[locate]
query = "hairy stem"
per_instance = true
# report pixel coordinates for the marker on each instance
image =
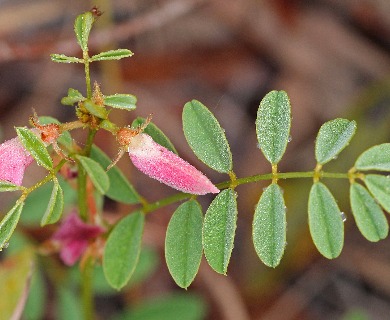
(86, 290)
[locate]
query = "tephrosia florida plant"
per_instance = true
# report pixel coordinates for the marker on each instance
(83, 234)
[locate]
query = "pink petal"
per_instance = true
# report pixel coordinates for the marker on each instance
(163, 165)
(13, 161)
(74, 236)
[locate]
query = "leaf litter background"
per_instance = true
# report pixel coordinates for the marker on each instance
(332, 57)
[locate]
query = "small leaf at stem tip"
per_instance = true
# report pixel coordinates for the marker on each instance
(120, 188)
(55, 206)
(183, 243)
(379, 187)
(269, 226)
(369, 216)
(73, 97)
(96, 173)
(96, 110)
(121, 101)
(35, 147)
(206, 137)
(112, 55)
(61, 58)
(219, 229)
(122, 249)
(273, 125)
(332, 138)
(375, 158)
(156, 133)
(325, 221)
(82, 28)
(9, 222)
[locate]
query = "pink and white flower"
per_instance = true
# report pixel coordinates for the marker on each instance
(14, 159)
(165, 166)
(74, 236)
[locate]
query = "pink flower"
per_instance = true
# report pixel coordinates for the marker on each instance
(165, 166)
(14, 160)
(74, 236)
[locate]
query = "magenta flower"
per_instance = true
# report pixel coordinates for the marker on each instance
(165, 166)
(74, 236)
(14, 159)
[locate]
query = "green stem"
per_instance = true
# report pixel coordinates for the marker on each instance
(149, 207)
(87, 74)
(87, 294)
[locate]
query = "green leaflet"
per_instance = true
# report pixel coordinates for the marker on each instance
(369, 216)
(74, 96)
(379, 186)
(95, 109)
(219, 229)
(96, 173)
(9, 222)
(61, 58)
(269, 226)
(375, 158)
(325, 221)
(55, 206)
(206, 137)
(183, 243)
(121, 101)
(273, 125)
(8, 186)
(120, 188)
(155, 132)
(35, 147)
(112, 55)
(123, 249)
(82, 28)
(332, 138)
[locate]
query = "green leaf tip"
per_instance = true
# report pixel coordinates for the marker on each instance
(205, 137)
(183, 243)
(112, 55)
(325, 221)
(332, 138)
(269, 226)
(9, 222)
(82, 29)
(55, 206)
(273, 124)
(61, 58)
(96, 173)
(219, 229)
(121, 101)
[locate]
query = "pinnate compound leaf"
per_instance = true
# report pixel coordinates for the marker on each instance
(55, 206)
(269, 226)
(379, 186)
(35, 147)
(369, 216)
(219, 229)
(61, 58)
(183, 243)
(157, 135)
(121, 101)
(332, 138)
(82, 28)
(96, 173)
(8, 186)
(375, 158)
(73, 97)
(122, 250)
(112, 55)
(273, 125)
(9, 222)
(325, 221)
(206, 137)
(120, 188)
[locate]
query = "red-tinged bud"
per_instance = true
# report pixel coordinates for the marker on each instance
(14, 159)
(165, 166)
(74, 236)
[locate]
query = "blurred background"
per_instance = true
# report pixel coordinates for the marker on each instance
(333, 59)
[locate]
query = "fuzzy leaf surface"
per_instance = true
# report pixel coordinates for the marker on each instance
(96, 173)
(375, 158)
(82, 28)
(121, 101)
(379, 186)
(55, 206)
(206, 137)
(9, 222)
(112, 55)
